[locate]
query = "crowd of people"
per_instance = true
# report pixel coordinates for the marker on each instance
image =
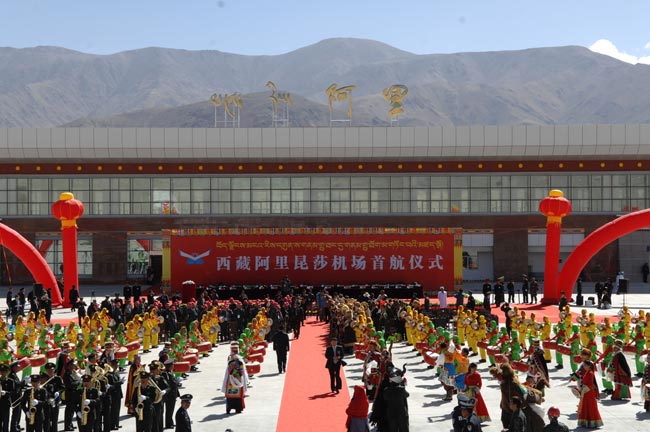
(526, 344)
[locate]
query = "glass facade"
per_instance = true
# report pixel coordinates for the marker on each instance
(324, 194)
(51, 248)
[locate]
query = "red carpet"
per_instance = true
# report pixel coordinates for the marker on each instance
(307, 403)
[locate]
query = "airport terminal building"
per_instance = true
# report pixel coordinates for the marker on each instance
(487, 180)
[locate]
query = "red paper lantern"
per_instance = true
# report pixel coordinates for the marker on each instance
(67, 209)
(555, 206)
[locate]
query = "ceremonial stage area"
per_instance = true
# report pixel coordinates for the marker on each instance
(300, 399)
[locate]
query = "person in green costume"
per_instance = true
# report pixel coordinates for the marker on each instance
(120, 337)
(559, 338)
(25, 350)
(493, 337)
(606, 358)
(515, 346)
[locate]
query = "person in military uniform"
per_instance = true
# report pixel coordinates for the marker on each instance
(155, 369)
(72, 384)
(172, 393)
(183, 422)
(16, 394)
(54, 386)
(86, 405)
(115, 383)
(34, 403)
(144, 396)
(8, 387)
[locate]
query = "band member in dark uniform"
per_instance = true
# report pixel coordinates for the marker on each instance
(86, 405)
(34, 403)
(115, 383)
(54, 386)
(183, 423)
(8, 387)
(16, 394)
(172, 393)
(158, 381)
(72, 382)
(144, 397)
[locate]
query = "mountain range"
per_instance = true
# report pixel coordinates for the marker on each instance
(159, 87)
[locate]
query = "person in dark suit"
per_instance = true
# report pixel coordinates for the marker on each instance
(183, 423)
(334, 356)
(281, 348)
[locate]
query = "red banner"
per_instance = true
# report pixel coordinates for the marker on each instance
(314, 257)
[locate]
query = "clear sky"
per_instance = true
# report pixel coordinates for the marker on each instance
(273, 27)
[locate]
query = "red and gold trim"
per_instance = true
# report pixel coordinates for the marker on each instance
(523, 166)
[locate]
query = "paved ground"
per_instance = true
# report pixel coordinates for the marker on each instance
(427, 409)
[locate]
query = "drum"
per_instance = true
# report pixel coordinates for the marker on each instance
(550, 345)
(430, 358)
(204, 347)
(265, 344)
(53, 353)
(375, 377)
(576, 391)
(182, 367)
(482, 344)
(133, 346)
(253, 368)
(360, 355)
(493, 351)
(630, 349)
(255, 358)
(37, 360)
(563, 349)
(121, 353)
(258, 350)
(192, 359)
(520, 366)
(420, 346)
(359, 347)
(500, 358)
(192, 351)
(23, 363)
(577, 359)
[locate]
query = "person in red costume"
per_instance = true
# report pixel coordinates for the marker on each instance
(588, 413)
(358, 411)
(473, 384)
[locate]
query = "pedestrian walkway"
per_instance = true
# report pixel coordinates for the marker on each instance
(307, 402)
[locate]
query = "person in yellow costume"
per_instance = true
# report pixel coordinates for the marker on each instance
(155, 329)
(132, 328)
(523, 329)
(3, 329)
(461, 315)
(71, 332)
(147, 325)
(104, 320)
(95, 324)
(546, 335)
(86, 327)
(533, 328)
(471, 334)
(206, 324)
(42, 318)
(30, 329)
(481, 335)
(568, 317)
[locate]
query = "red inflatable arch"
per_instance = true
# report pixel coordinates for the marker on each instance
(595, 242)
(29, 255)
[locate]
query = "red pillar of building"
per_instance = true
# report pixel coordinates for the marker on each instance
(554, 207)
(68, 209)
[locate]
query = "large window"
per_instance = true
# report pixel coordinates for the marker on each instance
(164, 196)
(51, 247)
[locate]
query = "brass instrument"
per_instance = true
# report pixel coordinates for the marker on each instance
(140, 407)
(159, 393)
(84, 408)
(32, 408)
